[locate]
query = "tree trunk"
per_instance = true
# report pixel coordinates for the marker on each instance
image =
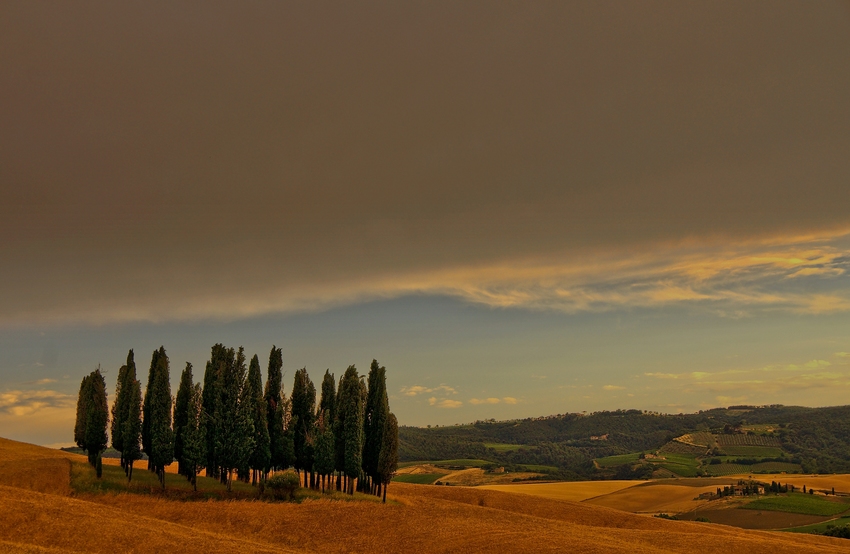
(229, 479)
(130, 472)
(385, 492)
(195, 482)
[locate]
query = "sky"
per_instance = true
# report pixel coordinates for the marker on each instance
(520, 209)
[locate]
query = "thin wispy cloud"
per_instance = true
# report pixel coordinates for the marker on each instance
(418, 389)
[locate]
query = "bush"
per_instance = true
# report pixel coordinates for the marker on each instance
(283, 485)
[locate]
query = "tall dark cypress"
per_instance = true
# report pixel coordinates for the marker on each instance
(274, 408)
(146, 406)
(375, 417)
(132, 439)
(121, 405)
(303, 419)
(194, 439)
(218, 357)
(234, 429)
(181, 416)
(261, 455)
(82, 411)
(350, 418)
(96, 418)
(119, 411)
(328, 400)
(388, 460)
(159, 414)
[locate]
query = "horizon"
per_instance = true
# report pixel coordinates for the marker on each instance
(517, 209)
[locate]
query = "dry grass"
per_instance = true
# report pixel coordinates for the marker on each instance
(654, 498)
(575, 491)
(423, 518)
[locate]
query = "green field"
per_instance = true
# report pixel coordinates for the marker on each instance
(777, 467)
(620, 459)
(418, 478)
(465, 462)
(799, 503)
(682, 465)
(501, 447)
(820, 527)
(754, 451)
(535, 467)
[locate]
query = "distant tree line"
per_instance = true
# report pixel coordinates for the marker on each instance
(235, 428)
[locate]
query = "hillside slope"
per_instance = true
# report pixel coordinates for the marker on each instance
(426, 519)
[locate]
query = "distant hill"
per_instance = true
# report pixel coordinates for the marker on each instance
(636, 444)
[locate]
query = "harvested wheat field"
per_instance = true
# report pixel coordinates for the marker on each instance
(419, 518)
(575, 490)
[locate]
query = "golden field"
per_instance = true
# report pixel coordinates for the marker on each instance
(42, 518)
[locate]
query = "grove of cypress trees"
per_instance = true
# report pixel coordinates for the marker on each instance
(132, 432)
(159, 418)
(260, 458)
(375, 417)
(181, 416)
(388, 459)
(194, 436)
(303, 422)
(234, 429)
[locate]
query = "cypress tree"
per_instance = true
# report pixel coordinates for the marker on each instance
(161, 435)
(388, 459)
(328, 401)
(181, 416)
(375, 418)
(132, 433)
(92, 416)
(303, 420)
(146, 406)
(274, 399)
(194, 436)
(234, 428)
(325, 460)
(261, 455)
(82, 411)
(351, 421)
(218, 357)
(119, 411)
(121, 407)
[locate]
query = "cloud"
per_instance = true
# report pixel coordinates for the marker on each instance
(493, 400)
(45, 381)
(444, 403)
(24, 403)
(418, 389)
(612, 387)
(842, 354)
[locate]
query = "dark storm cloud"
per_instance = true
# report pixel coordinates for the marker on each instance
(164, 159)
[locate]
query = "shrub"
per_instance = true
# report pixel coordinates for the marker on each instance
(283, 485)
